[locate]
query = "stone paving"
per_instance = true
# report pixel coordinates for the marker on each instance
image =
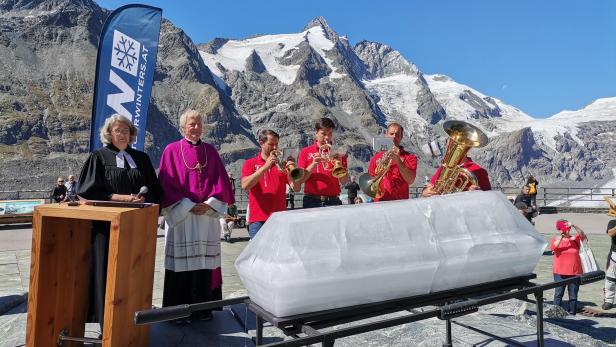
(15, 268)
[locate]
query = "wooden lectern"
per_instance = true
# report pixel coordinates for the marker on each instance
(60, 265)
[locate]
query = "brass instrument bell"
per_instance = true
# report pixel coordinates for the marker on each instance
(462, 137)
(296, 173)
(338, 171)
(371, 186)
(332, 161)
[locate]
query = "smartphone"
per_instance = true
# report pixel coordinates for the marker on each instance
(382, 143)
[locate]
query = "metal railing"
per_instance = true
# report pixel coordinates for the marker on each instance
(546, 196)
(25, 194)
(566, 196)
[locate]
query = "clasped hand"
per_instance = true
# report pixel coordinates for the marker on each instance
(128, 198)
(200, 208)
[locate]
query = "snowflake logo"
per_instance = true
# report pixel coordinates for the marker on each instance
(125, 53)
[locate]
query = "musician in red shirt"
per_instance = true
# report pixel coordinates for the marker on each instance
(402, 169)
(265, 183)
(321, 188)
(483, 181)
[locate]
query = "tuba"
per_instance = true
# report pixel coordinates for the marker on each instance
(371, 186)
(462, 137)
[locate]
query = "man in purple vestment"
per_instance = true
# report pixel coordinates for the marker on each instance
(196, 192)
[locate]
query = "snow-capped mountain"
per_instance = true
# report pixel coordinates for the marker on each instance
(400, 89)
(286, 82)
(322, 68)
(467, 104)
(283, 82)
(271, 50)
(570, 122)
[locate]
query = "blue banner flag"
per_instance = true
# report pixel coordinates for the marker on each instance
(125, 68)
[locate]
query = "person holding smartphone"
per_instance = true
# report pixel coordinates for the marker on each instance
(567, 262)
(401, 171)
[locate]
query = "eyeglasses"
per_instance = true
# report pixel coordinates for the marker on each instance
(124, 131)
(60, 181)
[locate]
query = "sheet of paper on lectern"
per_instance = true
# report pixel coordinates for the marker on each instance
(317, 259)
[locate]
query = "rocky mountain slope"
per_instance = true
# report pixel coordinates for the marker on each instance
(48, 54)
(557, 149)
(283, 82)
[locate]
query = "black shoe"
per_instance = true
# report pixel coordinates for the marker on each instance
(228, 238)
(606, 306)
(206, 316)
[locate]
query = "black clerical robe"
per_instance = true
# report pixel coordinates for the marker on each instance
(100, 178)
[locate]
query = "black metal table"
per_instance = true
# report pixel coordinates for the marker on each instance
(444, 305)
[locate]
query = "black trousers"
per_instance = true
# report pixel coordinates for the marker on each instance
(189, 287)
(313, 201)
(98, 272)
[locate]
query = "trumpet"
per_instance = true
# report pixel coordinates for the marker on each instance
(325, 152)
(332, 162)
(371, 186)
(278, 154)
(296, 173)
(288, 166)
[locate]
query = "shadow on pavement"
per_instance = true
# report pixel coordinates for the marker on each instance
(8, 302)
(15, 226)
(586, 326)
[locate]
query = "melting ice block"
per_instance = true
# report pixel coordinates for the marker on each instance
(317, 259)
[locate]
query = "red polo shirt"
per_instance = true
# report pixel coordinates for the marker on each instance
(482, 175)
(567, 256)
(393, 185)
(269, 194)
(321, 181)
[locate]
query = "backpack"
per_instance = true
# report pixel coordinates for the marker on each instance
(532, 189)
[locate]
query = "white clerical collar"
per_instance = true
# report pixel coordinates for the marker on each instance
(123, 156)
(194, 143)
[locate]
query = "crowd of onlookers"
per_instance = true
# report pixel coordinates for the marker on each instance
(65, 190)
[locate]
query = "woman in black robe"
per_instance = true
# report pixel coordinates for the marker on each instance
(115, 172)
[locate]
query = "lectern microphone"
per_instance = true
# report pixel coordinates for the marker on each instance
(143, 191)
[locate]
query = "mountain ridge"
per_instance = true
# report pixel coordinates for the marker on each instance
(282, 81)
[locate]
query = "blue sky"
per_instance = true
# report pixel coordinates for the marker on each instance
(540, 56)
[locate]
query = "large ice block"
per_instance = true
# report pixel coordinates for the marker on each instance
(317, 259)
